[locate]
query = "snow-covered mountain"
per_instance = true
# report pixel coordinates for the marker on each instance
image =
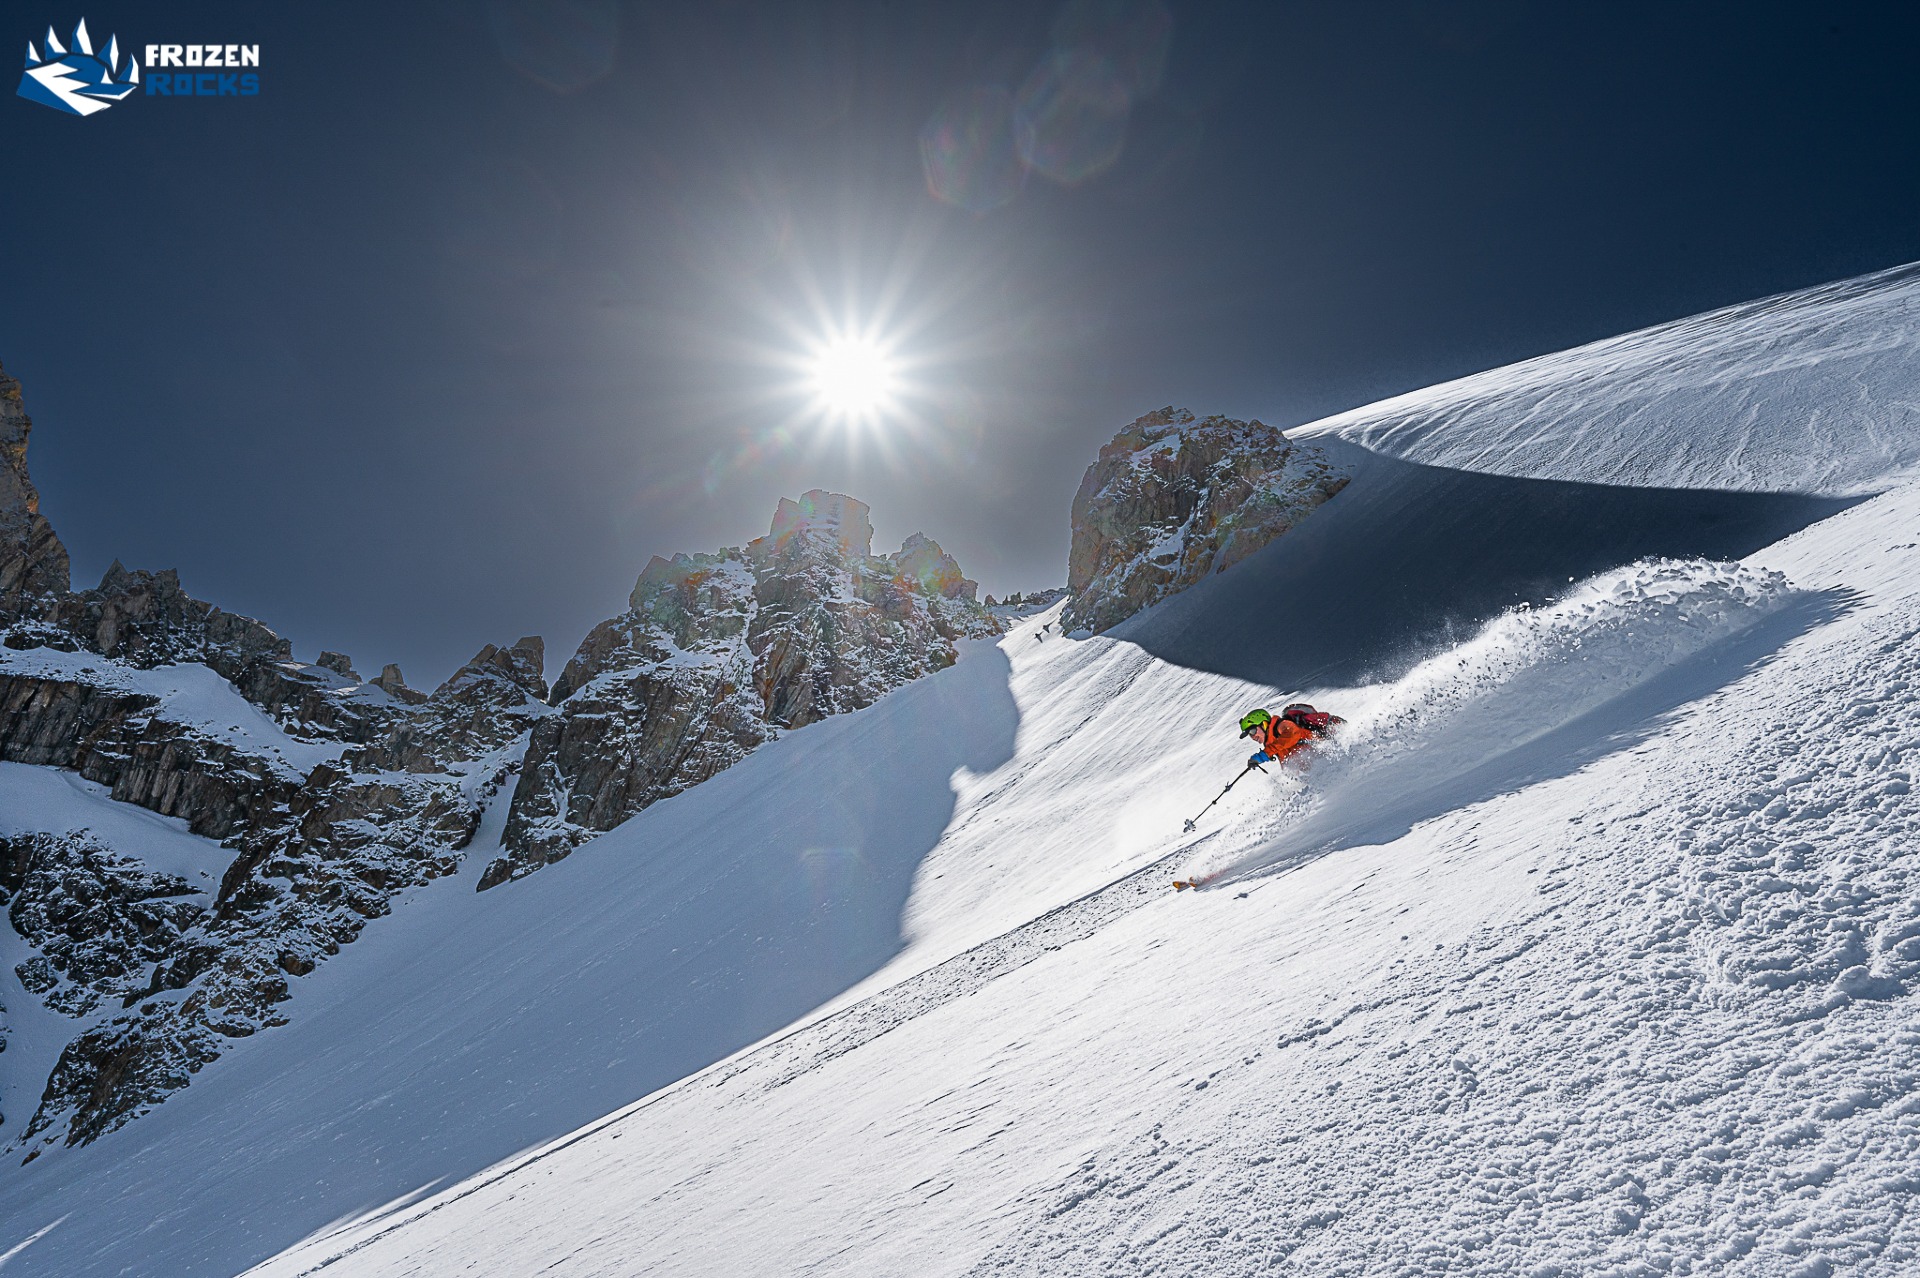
(1589, 947)
(717, 654)
(314, 798)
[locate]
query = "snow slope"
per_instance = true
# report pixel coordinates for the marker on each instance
(1649, 1015)
(36, 800)
(1803, 392)
(471, 1026)
(1637, 1000)
(1622, 989)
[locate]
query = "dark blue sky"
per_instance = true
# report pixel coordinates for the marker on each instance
(436, 340)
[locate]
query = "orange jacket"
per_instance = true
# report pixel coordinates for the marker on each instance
(1281, 737)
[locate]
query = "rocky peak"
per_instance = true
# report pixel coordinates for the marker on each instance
(394, 684)
(33, 563)
(147, 619)
(823, 518)
(720, 652)
(690, 599)
(933, 571)
(1173, 498)
(520, 669)
(142, 618)
(483, 706)
(368, 788)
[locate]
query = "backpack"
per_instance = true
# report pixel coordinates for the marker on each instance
(1318, 722)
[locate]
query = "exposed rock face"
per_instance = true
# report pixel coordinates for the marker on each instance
(33, 563)
(482, 707)
(718, 653)
(109, 733)
(314, 857)
(146, 619)
(96, 918)
(293, 896)
(394, 684)
(89, 682)
(1173, 498)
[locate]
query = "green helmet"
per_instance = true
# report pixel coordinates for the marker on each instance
(1253, 719)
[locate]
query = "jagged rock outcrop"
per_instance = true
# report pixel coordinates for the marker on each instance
(33, 563)
(315, 857)
(95, 918)
(1025, 604)
(482, 706)
(354, 793)
(146, 619)
(111, 735)
(1173, 498)
(718, 653)
(394, 684)
(292, 898)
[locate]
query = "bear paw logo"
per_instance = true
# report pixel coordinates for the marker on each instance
(79, 81)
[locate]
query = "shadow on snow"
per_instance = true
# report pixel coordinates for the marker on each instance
(1409, 558)
(480, 1025)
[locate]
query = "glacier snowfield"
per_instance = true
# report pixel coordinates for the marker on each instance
(1589, 949)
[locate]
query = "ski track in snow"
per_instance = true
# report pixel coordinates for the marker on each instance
(1648, 1018)
(1718, 971)
(1526, 673)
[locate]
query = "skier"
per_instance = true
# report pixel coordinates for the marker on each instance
(1299, 725)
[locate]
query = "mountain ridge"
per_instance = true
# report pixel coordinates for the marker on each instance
(324, 797)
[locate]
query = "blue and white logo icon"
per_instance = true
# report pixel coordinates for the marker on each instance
(77, 81)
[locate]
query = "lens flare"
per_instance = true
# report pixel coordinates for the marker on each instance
(853, 378)
(1071, 117)
(968, 153)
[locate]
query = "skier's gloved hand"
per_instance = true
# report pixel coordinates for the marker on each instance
(1258, 759)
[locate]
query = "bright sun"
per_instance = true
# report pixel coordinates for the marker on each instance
(853, 377)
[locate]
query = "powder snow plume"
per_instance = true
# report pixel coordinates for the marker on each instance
(1527, 672)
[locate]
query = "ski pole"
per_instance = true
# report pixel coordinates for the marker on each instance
(1223, 794)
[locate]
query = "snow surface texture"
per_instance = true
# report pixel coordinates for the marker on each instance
(1629, 992)
(1803, 392)
(1529, 672)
